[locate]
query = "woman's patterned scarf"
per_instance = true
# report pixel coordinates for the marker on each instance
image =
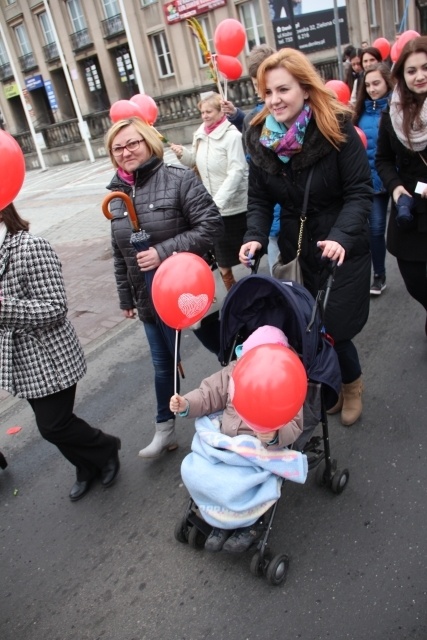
(285, 142)
(418, 138)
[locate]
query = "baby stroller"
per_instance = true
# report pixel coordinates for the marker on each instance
(259, 300)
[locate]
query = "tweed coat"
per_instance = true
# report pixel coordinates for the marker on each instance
(175, 209)
(339, 203)
(40, 353)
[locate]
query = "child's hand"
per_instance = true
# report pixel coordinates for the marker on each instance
(177, 404)
(266, 437)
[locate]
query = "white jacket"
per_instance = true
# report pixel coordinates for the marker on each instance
(222, 166)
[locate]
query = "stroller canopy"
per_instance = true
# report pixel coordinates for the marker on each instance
(257, 300)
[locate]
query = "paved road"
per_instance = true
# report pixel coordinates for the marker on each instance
(109, 568)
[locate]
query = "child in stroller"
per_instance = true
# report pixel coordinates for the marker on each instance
(216, 488)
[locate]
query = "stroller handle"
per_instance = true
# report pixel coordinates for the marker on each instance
(322, 297)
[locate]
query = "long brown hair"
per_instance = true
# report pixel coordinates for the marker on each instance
(411, 103)
(362, 93)
(13, 221)
(327, 111)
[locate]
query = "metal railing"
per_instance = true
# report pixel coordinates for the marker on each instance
(173, 108)
(5, 72)
(113, 26)
(50, 52)
(27, 62)
(81, 40)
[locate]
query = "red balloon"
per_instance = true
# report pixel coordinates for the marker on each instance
(183, 290)
(393, 52)
(340, 89)
(268, 386)
(405, 37)
(12, 167)
(124, 109)
(147, 107)
(230, 37)
(383, 47)
(362, 136)
(229, 67)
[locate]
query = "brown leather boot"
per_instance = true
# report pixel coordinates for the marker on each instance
(352, 402)
(337, 406)
(228, 279)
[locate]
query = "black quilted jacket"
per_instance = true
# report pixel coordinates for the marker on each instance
(177, 212)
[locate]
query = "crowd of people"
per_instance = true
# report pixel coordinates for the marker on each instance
(239, 193)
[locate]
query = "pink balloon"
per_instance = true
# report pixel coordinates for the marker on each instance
(230, 37)
(383, 47)
(405, 37)
(229, 67)
(147, 107)
(362, 136)
(124, 109)
(341, 90)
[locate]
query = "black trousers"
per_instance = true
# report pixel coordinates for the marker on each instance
(88, 449)
(414, 276)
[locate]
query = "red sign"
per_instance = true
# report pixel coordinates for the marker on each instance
(177, 10)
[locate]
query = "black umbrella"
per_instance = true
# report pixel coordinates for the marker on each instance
(140, 241)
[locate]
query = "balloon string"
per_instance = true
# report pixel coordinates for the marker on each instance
(225, 89)
(175, 384)
(218, 82)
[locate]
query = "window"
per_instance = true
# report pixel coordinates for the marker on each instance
(204, 23)
(3, 55)
(162, 54)
(373, 13)
(46, 26)
(111, 8)
(250, 17)
(92, 76)
(76, 15)
(23, 42)
(145, 3)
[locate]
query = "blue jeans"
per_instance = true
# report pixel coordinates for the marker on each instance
(163, 363)
(377, 225)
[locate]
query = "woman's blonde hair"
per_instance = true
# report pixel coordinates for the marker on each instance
(213, 98)
(327, 110)
(150, 135)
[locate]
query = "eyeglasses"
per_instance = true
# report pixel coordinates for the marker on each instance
(133, 145)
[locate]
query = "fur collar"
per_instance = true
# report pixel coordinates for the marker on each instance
(314, 148)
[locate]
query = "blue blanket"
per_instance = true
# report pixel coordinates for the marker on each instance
(234, 481)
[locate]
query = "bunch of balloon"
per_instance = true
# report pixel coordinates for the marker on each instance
(139, 106)
(229, 40)
(340, 89)
(12, 168)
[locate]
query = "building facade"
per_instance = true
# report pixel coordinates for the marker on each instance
(114, 49)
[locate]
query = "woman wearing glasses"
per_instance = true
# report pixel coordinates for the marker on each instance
(177, 212)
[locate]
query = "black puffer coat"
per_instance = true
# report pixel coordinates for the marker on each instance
(340, 200)
(397, 166)
(175, 209)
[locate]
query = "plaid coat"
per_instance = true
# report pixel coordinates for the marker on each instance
(40, 353)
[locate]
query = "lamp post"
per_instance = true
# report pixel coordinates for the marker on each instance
(338, 40)
(82, 124)
(24, 104)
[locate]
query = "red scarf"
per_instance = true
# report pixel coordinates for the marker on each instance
(125, 176)
(211, 127)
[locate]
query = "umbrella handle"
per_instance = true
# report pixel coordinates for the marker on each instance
(129, 207)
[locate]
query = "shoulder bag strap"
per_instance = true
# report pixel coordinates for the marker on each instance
(303, 217)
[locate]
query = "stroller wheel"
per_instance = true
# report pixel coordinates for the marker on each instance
(320, 476)
(339, 481)
(181, 531)
(277, 570)
(258, 566)
(196, 538)
(3, 461)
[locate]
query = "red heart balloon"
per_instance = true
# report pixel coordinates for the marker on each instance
(124, 109)
(229, 37)
(183, 289)
(12, 168)
(268, 386)
(147, 106)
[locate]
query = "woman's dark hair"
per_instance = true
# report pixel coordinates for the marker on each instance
(351, 75)
(363, 95)
(13, 220)
(411, 103)
(372, 51)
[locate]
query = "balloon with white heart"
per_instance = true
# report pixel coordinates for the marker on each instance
(191, 305)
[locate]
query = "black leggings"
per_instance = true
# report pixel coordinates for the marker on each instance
(414, 276)
(349, 361)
